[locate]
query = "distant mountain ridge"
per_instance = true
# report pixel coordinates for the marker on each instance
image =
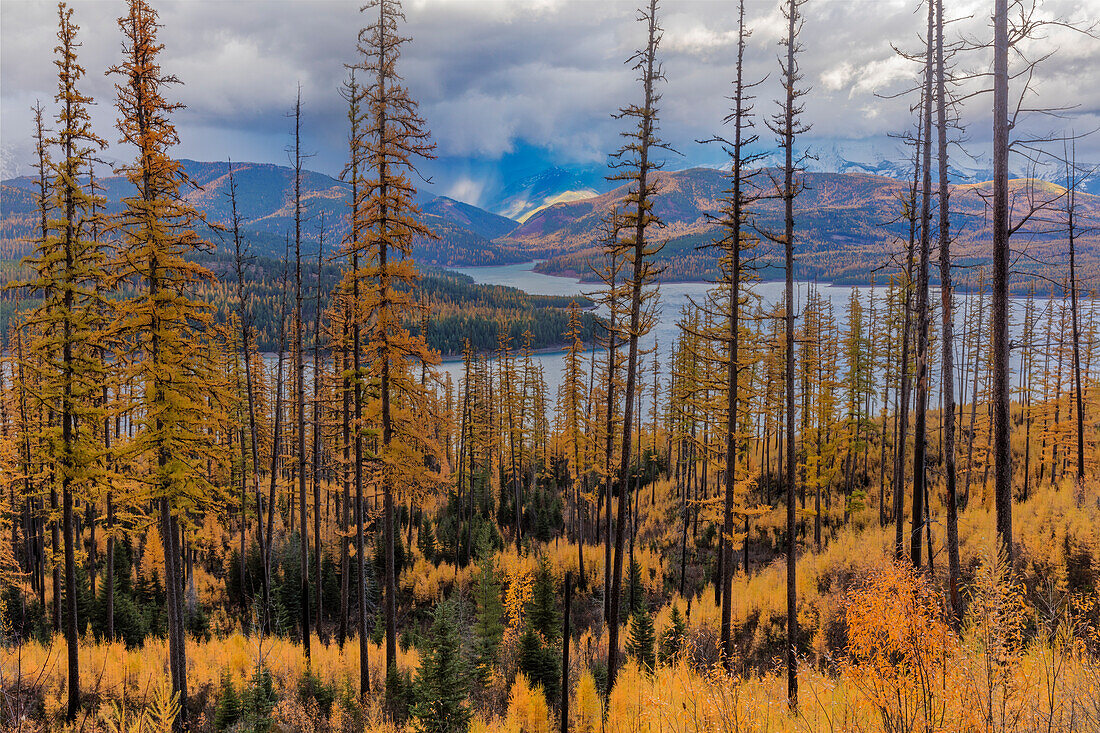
(266, 204)
(849, 227)
(849, 224)
(520, 199)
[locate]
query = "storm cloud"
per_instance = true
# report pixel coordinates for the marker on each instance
(508, 88)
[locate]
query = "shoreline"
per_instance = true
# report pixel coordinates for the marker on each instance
(1040, 295)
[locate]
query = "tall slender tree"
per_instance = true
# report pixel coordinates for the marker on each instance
(920, 427)
(947, 319)
(240, 260)
(353, 248)
(909, 210)
(163, 321)
(787, 126)
(734, 219)
(315, 471)
(1002, 448)
(610, 298)
(69, 269)
(299, 375)
(572, 397)
(636, 165)
(393, 139)
(1074, 176)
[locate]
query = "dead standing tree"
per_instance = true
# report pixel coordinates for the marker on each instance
(637, 166)
(786, 124)
(735, 223)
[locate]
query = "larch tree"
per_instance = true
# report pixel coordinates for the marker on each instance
(27, 376)
(637, 166)
(572, 397)
(30, 361)
(67, 326)
(163, 321)
(735, 223)
(393, 138)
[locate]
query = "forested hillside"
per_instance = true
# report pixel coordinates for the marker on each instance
(458, 310)
(463, 233)
(855, 228)
(856, 224)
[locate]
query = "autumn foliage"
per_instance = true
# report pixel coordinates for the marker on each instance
(478, 552)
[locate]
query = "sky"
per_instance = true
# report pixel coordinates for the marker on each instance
(511, 87)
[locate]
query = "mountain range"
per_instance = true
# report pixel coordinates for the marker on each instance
(266, 204)
(849, 224)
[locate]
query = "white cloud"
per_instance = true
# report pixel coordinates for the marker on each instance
(838, 77)
(465, 189)
(495, 77)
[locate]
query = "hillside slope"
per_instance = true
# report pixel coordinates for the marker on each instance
(849, 225)
(265, 199)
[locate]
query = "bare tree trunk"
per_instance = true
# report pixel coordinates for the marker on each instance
(647, 63)
(947, 315)
(906, 379)
(739, 119)
(787, 127)
(276, 439)
(920, 437)
(1071, 231)
(360, 545)
(609, 432)
(317, 428)
(565, 652)
(345, 513)
(299, 373)
(1002, 448)
(72, 640)
(253, 433)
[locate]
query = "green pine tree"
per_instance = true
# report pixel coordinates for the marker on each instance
(672, 638)
(441, 686)
(542, 609)
(540, 662)
(489, 627)
(258, 701)
(642, 637)
(633, 593)
(228, 711)
(426, 540)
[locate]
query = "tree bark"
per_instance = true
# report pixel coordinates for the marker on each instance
(947, 314)
(1002, 448)
(920, 437)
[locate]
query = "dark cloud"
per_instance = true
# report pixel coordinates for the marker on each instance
(503, 82)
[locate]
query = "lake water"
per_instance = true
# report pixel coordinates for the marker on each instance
(673, 296)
